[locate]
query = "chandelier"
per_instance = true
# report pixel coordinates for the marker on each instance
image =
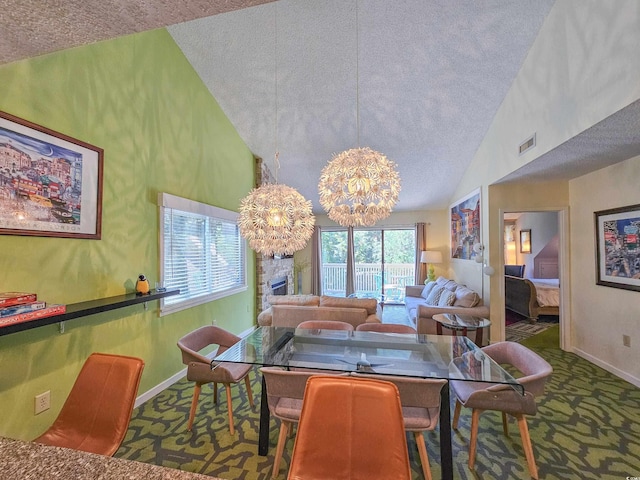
(358, 187)
(276, 220)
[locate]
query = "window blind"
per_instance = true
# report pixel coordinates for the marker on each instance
(202, 252)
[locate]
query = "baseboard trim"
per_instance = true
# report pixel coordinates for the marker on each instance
(609, 368)
(149, 394)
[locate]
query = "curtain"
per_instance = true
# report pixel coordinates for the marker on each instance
(421, 244)
(351, 263)
(316, 262)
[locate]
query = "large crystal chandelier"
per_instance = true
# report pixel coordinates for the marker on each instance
(360, 186)
(275, 218)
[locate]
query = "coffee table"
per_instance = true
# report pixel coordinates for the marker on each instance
(461, 323)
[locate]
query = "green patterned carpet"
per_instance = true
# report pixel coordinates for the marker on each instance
(586, 428)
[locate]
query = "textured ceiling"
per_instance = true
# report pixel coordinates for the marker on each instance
(422, 79)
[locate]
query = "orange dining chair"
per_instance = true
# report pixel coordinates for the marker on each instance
(503, 398)
(350, 429)
(325, 325)
(420, 399)
(96, 414)
(200, 369)
(385, 328)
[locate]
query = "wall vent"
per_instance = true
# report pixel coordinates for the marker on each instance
(528, 144)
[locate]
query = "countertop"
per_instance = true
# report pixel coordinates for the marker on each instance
(32, 461)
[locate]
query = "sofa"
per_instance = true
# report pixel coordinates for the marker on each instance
(441, 296)
(290, 310)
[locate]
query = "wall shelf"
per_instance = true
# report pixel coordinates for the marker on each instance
(91, 307)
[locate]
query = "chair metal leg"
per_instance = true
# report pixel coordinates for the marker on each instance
(215, 393)
(505, 424)
(456, 414)
(424, 457)
(249, 392)
(285, 428)
(475, 418)
(227, 387)
(526, 445)
(194, 405)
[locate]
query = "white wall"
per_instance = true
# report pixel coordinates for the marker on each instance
(543, 226)
(601, 315)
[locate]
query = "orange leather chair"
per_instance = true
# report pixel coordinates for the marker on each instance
(96, 414)
(199, 367)
(350, 429)
(385, 328)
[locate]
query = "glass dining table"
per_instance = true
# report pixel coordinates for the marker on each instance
(411, 355)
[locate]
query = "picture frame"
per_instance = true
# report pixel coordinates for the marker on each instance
(464, 222)
(50, 183)
(617, 233)
(525, 241)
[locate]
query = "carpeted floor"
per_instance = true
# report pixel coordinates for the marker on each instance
(586, 428)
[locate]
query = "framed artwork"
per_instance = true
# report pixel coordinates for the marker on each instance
(50, 184)
(618, 247)
(525, 241)
(464, 221)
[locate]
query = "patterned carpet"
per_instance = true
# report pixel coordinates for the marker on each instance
(586, 428)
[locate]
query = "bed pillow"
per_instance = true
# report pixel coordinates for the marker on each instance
(434, 296)
(447, 298)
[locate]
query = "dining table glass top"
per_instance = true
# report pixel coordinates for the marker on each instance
(412, 355)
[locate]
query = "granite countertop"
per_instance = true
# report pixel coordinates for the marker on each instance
(33, 461)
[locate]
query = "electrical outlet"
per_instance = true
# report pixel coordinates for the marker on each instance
(626, 340)
(43, 402)
(214, 322)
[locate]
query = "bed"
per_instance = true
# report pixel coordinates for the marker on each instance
(532, 297)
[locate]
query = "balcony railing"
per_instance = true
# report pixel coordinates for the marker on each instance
(368, 280)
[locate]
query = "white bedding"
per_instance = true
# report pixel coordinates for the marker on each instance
(548, 290)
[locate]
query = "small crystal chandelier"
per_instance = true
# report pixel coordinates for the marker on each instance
(360, 186)
(274, 218)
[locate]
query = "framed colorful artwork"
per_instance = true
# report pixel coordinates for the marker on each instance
(464, 221)
(618, 247)
(50, 183)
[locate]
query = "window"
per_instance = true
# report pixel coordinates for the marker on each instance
(201, 253)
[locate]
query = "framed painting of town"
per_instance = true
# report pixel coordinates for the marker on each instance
(50, 184)
(464, 219)
(618, 247)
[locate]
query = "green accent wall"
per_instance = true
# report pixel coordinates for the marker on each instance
(139, 99)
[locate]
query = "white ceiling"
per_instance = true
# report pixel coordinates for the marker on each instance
(422, 78)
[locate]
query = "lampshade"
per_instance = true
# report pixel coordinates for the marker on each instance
(358, 187)
(276, 219)
(431, 256)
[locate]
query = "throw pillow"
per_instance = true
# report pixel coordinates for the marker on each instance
(427, 289)
(447, 298)
(434, 296)
(465, 297)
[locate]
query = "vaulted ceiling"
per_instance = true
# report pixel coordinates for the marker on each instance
(418, 80)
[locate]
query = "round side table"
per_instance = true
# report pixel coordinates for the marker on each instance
(461, 323)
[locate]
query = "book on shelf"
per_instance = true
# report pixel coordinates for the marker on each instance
(7, 299)
(49, 311)
(21, 308)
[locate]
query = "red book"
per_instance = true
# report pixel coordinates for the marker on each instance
(16, 298)
(48, 311)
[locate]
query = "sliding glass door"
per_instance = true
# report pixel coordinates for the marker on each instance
(384, 262)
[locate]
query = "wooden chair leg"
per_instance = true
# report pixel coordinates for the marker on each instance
(475, 417)
(526, 445)
(249, 392)
(285, 428)
(456, 415)
(194, 405)
(424, 457)
(505, 424)
(227, 387)
(215, 393)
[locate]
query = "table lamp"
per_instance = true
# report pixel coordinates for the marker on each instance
(431, 257)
